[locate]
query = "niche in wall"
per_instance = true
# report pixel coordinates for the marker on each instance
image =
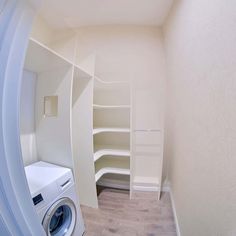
(50, 106)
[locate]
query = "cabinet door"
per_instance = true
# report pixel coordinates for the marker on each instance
(148, 158)
(147, 139)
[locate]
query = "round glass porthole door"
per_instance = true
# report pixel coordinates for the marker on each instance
(60, 219)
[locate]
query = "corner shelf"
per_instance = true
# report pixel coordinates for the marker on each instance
(110, 130)
(96, 106)
(119, 82)
(111, 170)
(111, 152)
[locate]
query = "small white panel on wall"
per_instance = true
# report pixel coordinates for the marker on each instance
(50, 106)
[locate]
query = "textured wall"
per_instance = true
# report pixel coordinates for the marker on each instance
(200, 41)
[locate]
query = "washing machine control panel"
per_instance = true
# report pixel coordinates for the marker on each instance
(37, 199)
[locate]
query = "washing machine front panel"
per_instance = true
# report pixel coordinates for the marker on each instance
(55, 199)
(60, 219)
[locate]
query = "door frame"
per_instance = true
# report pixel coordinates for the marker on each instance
(17, 214)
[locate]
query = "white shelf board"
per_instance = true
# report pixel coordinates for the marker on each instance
(96, 106)
(99, 84)
(111, 170)
(40, 58)
(111, 82)
(111, 152)
(110, 130)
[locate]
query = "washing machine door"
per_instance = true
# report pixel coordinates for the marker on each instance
(60, 218)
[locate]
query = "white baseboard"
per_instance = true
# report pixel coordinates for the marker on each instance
(175, 213)
(150, 188)
(113, 183)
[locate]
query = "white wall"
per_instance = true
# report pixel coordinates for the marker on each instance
(41, 31)
(200, 41)
(27, 117)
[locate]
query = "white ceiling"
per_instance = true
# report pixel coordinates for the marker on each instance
(76, 13)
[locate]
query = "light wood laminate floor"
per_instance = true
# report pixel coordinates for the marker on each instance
(119, 216)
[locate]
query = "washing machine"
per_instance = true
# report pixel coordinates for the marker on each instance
(53, 193)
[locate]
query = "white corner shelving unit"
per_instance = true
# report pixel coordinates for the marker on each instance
(92, 131)
(111, 129)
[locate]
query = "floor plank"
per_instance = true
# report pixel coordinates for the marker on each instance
(117, 215)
